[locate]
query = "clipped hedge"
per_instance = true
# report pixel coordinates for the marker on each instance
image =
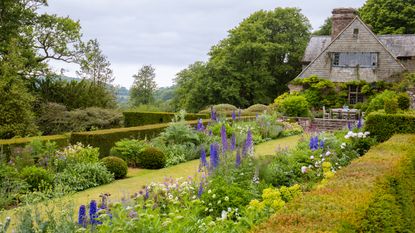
(134, 118)
(373, 194)
(7, 146)
(383, 125)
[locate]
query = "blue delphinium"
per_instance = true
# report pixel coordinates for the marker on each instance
(238, 159)
(200, 127)
(214, 155)
(249, 143)
(321, 144)
(233, 142)
(82, 216)
(200, 191)
(224, 138)
(233, 115)
(147, 194)
(93, 212)
(359, 123)
(203, 161)
(314, 143)
(349, 125)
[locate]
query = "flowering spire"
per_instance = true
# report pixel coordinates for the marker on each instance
(200, 127)
(214, 155)
(322, 144)
(349, 125)
(93, 212)
(203, 162)
(359, 123)
(233, 115)
(314, 143)
(249, 144)
(200, 191)
(82, 216)
(238, 159)
(224, 138)
(233, 142)
(147, 194)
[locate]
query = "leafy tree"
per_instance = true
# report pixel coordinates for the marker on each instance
(324, 29)
(94, 64)
(192, 92)
(144, 86)
(252, 65)
(389, 16)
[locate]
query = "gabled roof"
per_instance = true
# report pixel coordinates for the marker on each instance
(398, 45)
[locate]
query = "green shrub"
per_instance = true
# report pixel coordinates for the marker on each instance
(294, 106)
(257, 108)
(11, 186)
(132, 118)
(116, 166)
(38, 178)
(153, 158)
(378, 102)
(74, 154)
(391, 106)
(374, 194)
(81, 176)
(404, 101)
(129, 150)
(383, 126)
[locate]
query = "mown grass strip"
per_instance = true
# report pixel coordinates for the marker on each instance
(374, 194)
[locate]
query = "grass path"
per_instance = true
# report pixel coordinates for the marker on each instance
(137, 178)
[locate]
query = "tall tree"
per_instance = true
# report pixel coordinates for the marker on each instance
(94, 64)
(255, 62)
(324, 29)
(389, 16)
(144, 86)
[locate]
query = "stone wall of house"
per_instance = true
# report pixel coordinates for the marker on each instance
(387, 67)
(409, 64)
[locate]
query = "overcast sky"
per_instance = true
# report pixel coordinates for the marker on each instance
(169, 34)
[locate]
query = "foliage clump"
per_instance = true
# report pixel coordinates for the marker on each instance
(116, 166)
(152, 158)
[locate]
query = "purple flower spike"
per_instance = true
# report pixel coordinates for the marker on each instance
(249, 144)
(349, 125)
(238, 159)
(147, 194)
(322, 144)
(200, 191)
(82, 216)
(233, 142)
(359, 123)
(203, 162)
(93, 212)
(214, 155)
(314, 143)
(200, 127)
(233, 116)
(224, 138)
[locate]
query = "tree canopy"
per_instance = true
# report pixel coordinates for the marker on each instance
(253, 64)
(324, 29)
(389, 16)
(144, 86)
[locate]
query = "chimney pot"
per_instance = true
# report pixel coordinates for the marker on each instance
(341, 18)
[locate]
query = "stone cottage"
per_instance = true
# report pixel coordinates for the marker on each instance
(354, 52)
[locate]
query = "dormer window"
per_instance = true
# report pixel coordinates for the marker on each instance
(355, 59)
(356, 33)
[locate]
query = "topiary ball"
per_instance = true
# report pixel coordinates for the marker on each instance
(116, 165)
(153, 158)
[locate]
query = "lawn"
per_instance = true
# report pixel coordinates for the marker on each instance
(137, 178)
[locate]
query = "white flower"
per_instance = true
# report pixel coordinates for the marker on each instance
(219, 202)
(347, 136)
(367, 133)
(323, 159)
(229, 209)
(360, 135)
(206, 209)
(210, 210)
(209, 191)
(226, 198)
(224, 215)
(214, 196)
(312, 157)
(343, 145)
(328, 153)
(303, 169)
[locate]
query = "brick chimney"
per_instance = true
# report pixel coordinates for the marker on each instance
(341, 18)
